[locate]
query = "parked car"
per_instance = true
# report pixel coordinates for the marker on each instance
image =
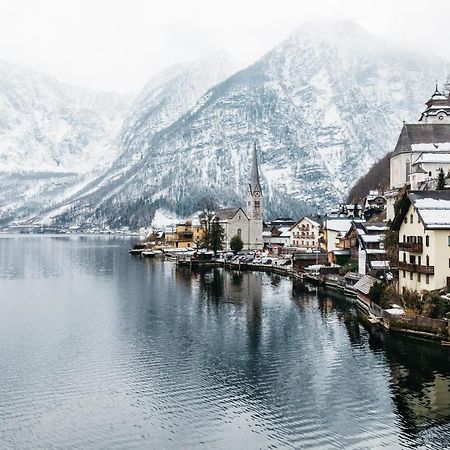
(267, 261)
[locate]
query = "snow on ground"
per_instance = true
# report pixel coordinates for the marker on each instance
(164, 218)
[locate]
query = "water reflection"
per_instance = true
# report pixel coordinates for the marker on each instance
(118, 352)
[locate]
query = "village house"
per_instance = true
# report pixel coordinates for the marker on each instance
(364, 243)
(184, 235)
(422, 149)
(423, 224)
(305, 234)
(333, 230)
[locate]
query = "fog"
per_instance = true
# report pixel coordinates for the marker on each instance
(118, 45)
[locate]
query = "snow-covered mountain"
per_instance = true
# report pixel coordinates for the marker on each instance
(323, 106)
(54, 137)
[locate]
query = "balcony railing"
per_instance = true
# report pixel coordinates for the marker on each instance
(414, 247)
(427, 270)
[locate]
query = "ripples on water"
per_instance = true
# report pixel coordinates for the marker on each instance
(102, 350)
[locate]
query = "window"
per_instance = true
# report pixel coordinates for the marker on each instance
(406, 220)
(404, 257)
(448, 241)
(411, 275)
(404, 274)
(410, 218)
(427, 279)
(418, 277)
(427, 240)
(239, 232)
(404, 237)
(257, 204)
(428, 260)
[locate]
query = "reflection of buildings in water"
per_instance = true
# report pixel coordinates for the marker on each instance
(420, 378)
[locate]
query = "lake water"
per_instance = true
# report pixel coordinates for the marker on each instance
(99, 349)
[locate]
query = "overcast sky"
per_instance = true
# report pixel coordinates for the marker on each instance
(118, 45)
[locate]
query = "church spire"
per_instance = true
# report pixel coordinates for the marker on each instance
(254, 176)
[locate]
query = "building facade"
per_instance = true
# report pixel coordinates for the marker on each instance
(305, 234)
(423, 224)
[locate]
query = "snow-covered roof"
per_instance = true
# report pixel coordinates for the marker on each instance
(284, 231)
(433, 208)
(340, 225)
(433, 147)
(379, 264)
(433, 158)
(374, 251)
(372, 237)
(422, 136)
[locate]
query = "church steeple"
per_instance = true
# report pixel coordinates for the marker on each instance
(254, 176)
(438, 109)
(254, 192)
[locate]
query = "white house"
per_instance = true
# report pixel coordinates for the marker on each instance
(423, 223)
(305, 234)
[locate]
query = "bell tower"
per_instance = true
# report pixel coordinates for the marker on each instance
(255, 204)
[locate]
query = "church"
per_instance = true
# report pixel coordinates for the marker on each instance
(422, 149)
(248, 224)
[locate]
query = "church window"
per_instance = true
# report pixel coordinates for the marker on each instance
(427, 241)
(410, 218)
(428, 260)
(239, 232)
(257, 203)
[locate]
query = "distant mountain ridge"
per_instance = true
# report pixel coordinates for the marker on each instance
(323, 105)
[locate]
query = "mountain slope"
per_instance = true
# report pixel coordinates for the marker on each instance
(323, 106)
(53, 138)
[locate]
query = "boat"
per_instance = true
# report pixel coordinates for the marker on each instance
(137, 249)
(148, 253)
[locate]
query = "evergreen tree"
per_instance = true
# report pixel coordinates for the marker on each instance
(215, 236)
(441, 180)
(236, 244)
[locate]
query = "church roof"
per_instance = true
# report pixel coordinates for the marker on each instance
(421, 133)
(254, 176)
(228, 213)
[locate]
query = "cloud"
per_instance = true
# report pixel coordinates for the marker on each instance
(117, 45)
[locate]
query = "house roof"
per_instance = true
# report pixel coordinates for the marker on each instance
(228, 213)
(364, 284)
(433, 208)
(312, 222)
(421, 133)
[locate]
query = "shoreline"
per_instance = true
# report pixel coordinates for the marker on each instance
(335, 285)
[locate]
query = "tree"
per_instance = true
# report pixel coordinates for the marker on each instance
(441, 180)
(236, 244)
(215, 236)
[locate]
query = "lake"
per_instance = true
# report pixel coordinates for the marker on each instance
(99, 349)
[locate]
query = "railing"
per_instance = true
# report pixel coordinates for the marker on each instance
(415, 247)
(428, 270)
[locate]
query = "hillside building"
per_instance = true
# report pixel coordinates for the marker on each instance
(422, 149)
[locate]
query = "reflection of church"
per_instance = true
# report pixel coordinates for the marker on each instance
(248, 225)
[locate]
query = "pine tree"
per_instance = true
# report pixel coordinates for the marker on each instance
(216, 236)
(441, 180)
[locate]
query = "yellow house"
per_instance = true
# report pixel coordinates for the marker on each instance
(185, 235)
(423, 223)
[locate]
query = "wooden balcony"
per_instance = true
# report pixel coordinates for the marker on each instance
(413, 247)
(427, 270)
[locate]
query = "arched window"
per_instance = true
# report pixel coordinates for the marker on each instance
(427, 240)
(428, 260)
(239, 232)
